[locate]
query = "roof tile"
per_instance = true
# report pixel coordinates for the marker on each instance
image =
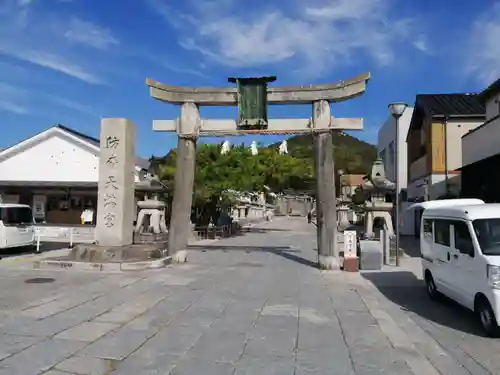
(451, 104)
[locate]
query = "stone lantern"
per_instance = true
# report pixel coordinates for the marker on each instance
(378, 186)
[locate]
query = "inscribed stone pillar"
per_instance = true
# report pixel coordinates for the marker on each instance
(115, 205)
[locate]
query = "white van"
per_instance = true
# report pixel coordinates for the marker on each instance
(460, 250)
(16, 226)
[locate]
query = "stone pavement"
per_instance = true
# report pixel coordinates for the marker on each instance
(253, 304)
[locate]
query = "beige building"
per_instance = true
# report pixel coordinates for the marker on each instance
(349, 183)
(481, 151)
(435, 142)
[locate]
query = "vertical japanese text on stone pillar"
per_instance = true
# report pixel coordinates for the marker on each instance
(111, 184)
(115, 212)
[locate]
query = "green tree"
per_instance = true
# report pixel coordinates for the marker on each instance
(218, 176)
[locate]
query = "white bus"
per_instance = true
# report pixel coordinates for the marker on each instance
(16, 226)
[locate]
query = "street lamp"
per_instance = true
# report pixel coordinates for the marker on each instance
(397, 109)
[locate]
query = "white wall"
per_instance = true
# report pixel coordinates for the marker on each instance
(386, 135)
(455, 130)
(436, 186)
(56, 158)
(481, 143)
(493, 107)
(484, 141)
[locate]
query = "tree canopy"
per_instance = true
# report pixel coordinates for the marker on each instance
(239, 170)
(217, 175)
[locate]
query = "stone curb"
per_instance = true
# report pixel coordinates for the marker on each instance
(42, 260)
(103, 267)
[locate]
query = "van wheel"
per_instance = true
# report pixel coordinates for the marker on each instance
(431, 287)
(487, 317)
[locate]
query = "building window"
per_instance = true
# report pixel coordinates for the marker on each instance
(442, 232)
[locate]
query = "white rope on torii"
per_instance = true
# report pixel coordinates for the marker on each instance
(253, 149)
(283, 148)
(226, 147)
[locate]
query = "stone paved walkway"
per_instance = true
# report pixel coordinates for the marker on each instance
(247, 305)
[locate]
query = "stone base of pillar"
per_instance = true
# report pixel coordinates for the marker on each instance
(329, 263)
(351, 264)
(180, 256)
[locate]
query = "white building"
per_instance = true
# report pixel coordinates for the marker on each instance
(56, 172)
(481, 151)
(386, 146)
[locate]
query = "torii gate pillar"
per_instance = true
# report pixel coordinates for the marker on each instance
(189, 126)
(326, 204)
(180, 223)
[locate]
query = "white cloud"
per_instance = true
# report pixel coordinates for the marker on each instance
(43, 37)
(11, 98)
(12, 107)
(421, 45)
(313, 37)
(87, 33)
(484, 50)
(54, 62)
(70, 104)
(18, 100)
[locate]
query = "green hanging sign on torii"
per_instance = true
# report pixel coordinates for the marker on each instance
(252, 101)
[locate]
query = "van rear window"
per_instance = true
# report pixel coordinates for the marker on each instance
(16, 215)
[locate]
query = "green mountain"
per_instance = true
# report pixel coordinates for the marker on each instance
(351, 154)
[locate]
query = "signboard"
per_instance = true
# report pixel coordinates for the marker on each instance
(39, 202)
(350, 244)
(252, 101)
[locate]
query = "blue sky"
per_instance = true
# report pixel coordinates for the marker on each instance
(75, 61)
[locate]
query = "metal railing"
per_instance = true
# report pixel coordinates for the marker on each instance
(69, 235)
(214, 232)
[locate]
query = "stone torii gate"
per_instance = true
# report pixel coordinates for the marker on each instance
(189, 126)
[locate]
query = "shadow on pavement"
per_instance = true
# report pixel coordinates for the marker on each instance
(262, 230)
(410, 245)
(44, 247)
(283, 251)
(406, 290)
